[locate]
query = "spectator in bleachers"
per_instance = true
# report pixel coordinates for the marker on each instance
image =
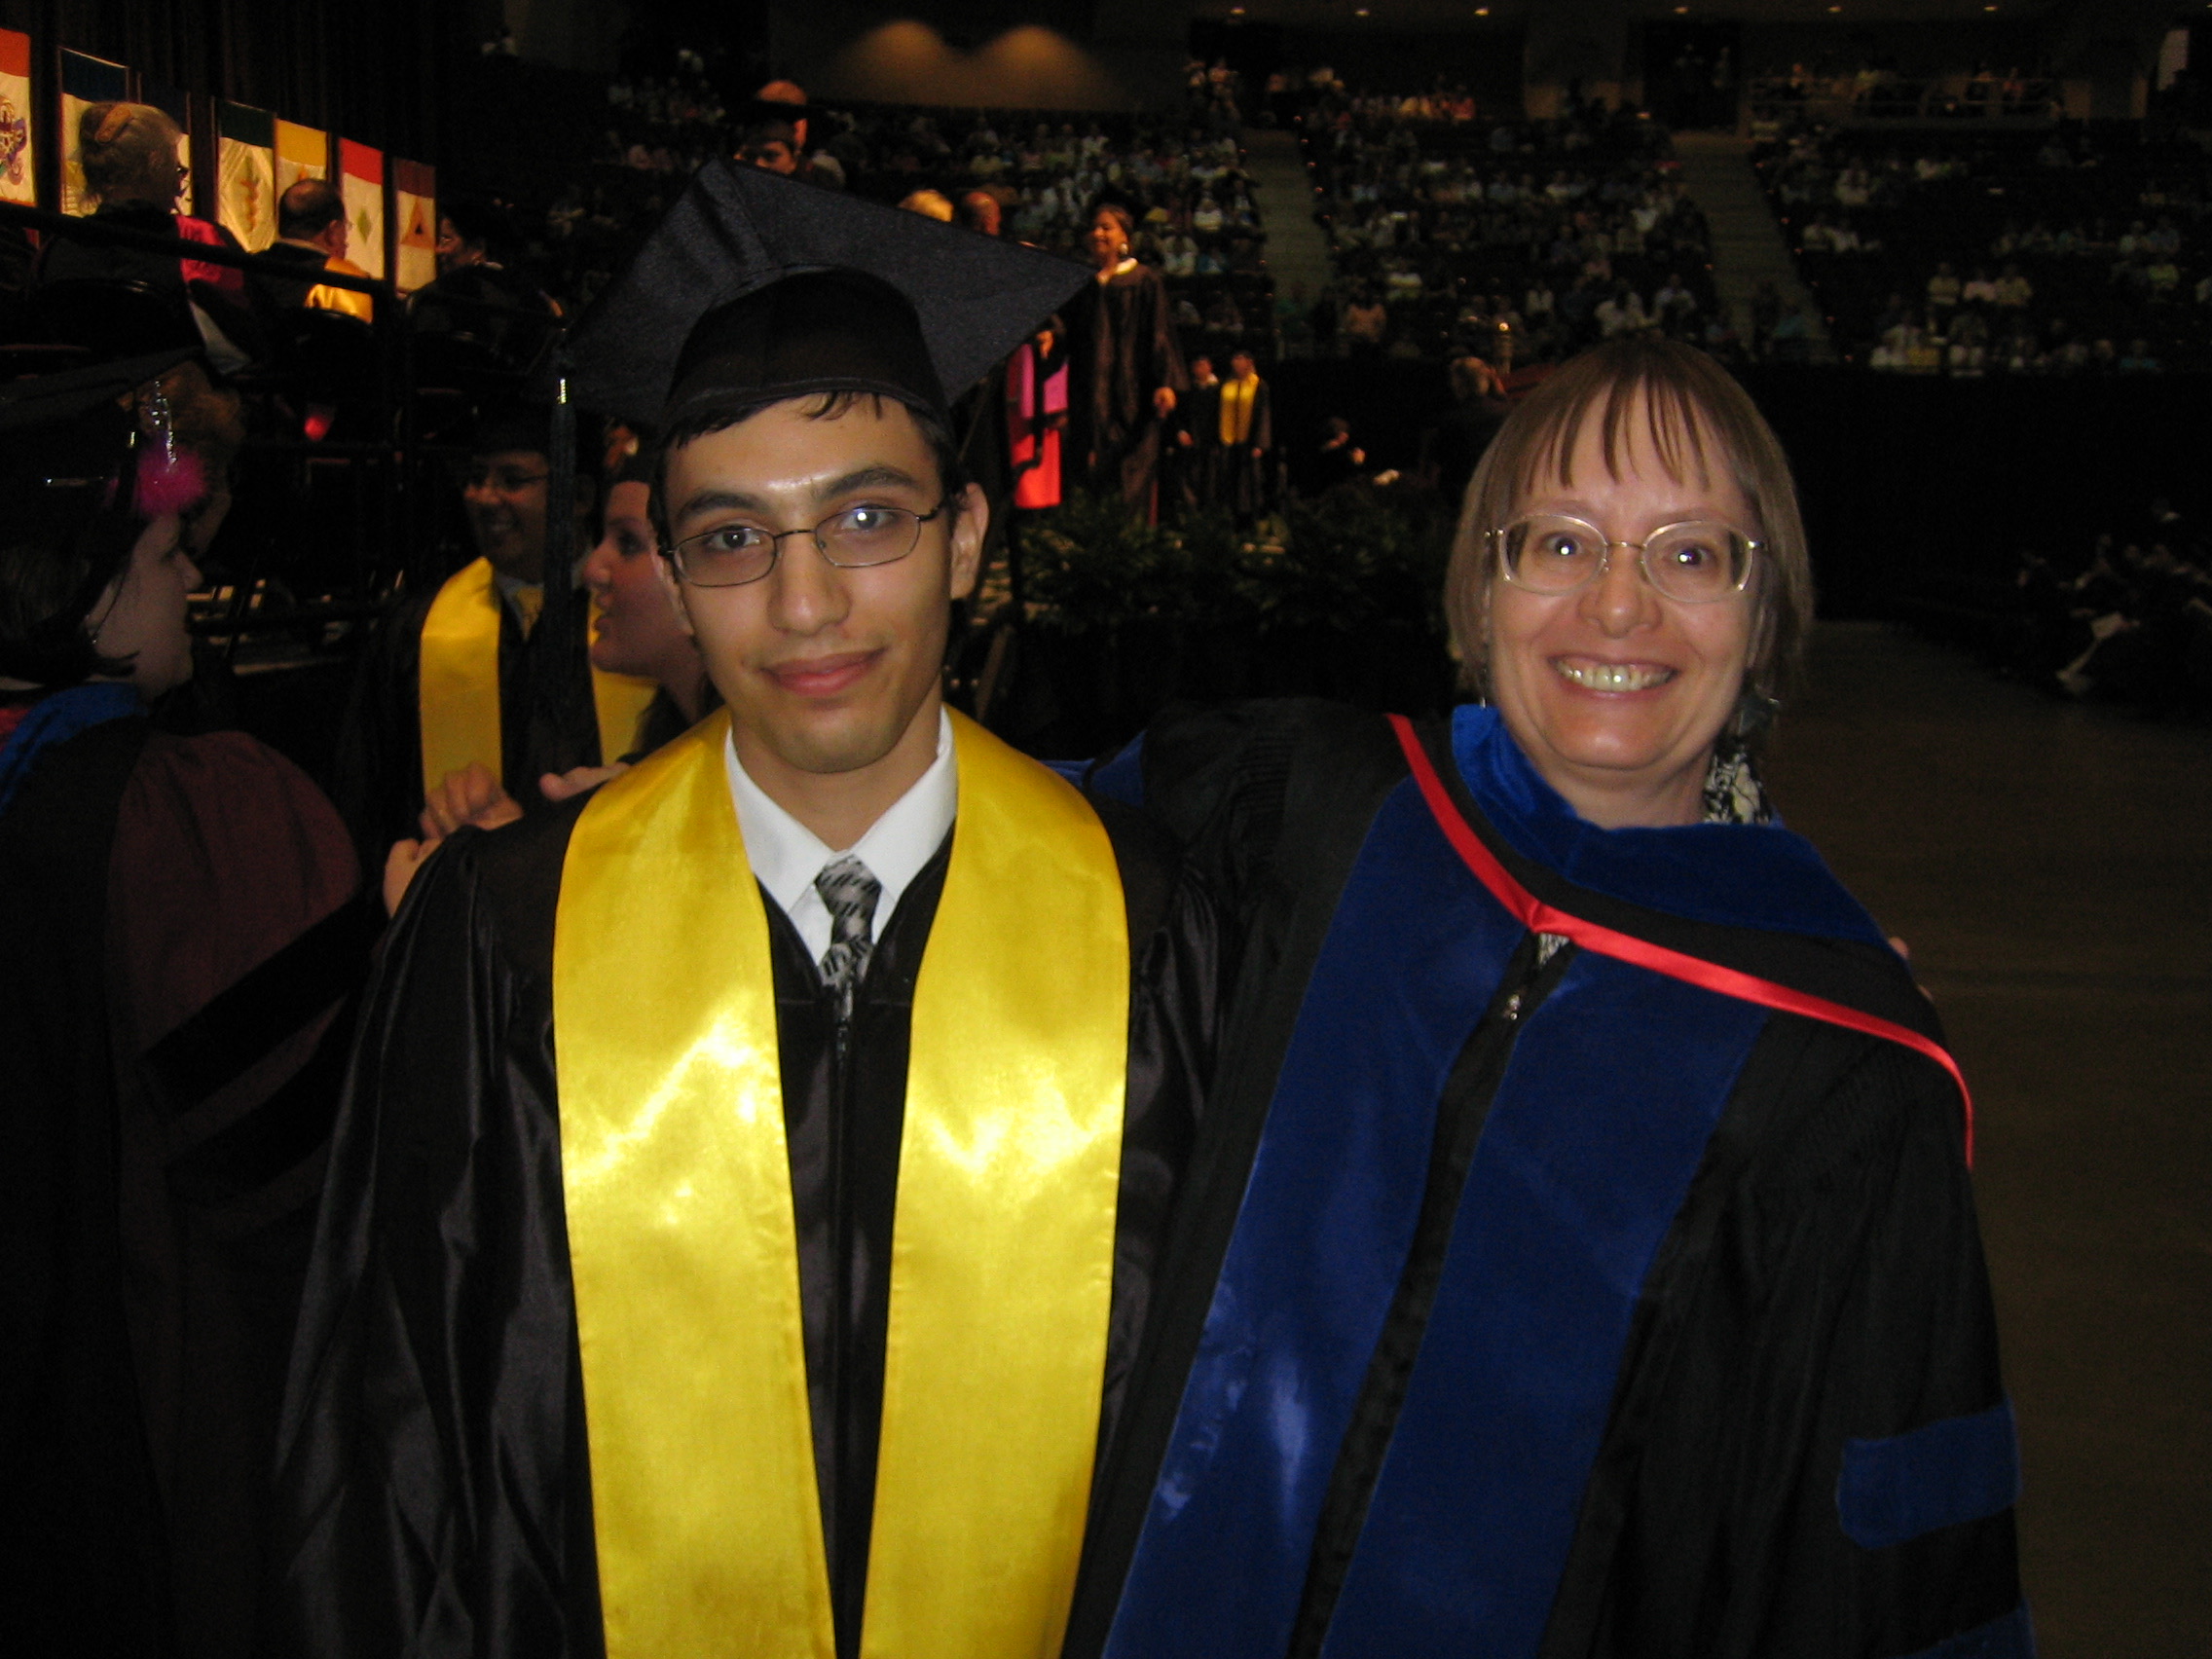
(1365, 324)
(2131, 203)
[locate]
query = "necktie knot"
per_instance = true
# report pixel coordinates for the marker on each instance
(848, 892)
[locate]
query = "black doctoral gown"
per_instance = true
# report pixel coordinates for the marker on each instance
(178, 945)
(1124, 351)
(1824, 1278)
(376, 772)
(434, 1488)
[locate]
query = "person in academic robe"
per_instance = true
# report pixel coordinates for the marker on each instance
(1195, 464)
(746, 1205)
(181, 937)
(1128, 365)
(312, 239)
(1244, 431)
(1036, 407)
(636, 632)
(463, 674)
(1581, 1257)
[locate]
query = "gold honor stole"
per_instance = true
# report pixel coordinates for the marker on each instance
(457, 685)
(685, 1259)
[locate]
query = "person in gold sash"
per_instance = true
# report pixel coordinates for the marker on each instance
(461, 674)
(747, 1202)
(1244, 426)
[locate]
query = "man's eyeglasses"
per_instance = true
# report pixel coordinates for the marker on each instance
(1693, 564)
(732, 555)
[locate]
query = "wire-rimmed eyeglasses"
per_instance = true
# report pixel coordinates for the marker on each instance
(853, 539)
(1695, 563)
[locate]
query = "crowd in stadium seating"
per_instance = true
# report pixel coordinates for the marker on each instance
(1449, 229)
(1928, 259)
(1877, 88)
(1183, 175)
(2131, 621)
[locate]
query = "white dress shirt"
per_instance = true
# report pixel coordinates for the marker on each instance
(787, 855)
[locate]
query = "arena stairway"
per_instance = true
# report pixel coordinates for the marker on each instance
(1747, 243)
(1297, 253)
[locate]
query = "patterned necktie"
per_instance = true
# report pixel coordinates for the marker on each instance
(850, 891)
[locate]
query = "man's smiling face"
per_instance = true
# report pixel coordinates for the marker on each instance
(505, 500)
(826, 671)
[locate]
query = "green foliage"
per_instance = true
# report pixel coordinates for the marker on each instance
(1354, 560)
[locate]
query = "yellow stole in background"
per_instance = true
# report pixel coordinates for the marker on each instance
(456, 685)
(685, 1255)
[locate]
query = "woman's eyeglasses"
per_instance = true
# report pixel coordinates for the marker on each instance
(1694, 564)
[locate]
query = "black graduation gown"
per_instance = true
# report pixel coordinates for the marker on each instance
(276, 294)
(1197, 463)
(434, 1489)
(1823, 1280)
(160, 1158)
(376, 771)
(1245, 484)
(1125, 350)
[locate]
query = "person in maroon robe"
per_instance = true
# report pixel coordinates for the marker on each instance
(180, 938)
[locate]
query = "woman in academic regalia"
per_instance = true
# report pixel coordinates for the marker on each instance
(1128, 365)
(1586, 1261)
(179, 937)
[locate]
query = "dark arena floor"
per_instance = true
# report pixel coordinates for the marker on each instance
(2051, 868)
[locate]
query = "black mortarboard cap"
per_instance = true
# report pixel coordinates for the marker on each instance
(756, 284)
(54, 400)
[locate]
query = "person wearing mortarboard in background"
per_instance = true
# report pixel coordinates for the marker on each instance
(635, 633)
(743, 1217)
(180, 938)
(462, 676)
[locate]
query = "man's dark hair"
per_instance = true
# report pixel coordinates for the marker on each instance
(479, 223)
(720, 417)
(309, 208)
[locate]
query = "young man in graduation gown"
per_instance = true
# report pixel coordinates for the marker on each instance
(489, 668)
(1581, 1257)
(746, 1205)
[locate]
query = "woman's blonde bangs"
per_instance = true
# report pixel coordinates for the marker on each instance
(1689, 406)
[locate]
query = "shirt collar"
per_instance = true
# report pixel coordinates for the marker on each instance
(787, 855)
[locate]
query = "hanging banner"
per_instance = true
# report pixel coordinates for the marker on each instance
(175, 103)
(19, 182)
(247, 167)
(415, 200)
(361, 182)
(302, 152)
(84, 80)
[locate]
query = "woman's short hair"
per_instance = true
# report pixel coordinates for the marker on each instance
(1690, 403)
(119, 143)
(1119, 213)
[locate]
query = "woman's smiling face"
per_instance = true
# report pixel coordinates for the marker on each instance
(1615, 692)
